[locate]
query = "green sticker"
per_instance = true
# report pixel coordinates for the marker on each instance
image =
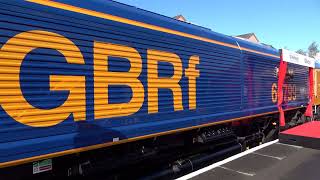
(42, 166)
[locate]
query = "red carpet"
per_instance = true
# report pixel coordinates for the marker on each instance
(305, 135)
(310, 129)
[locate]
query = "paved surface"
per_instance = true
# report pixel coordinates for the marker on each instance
(275, 162)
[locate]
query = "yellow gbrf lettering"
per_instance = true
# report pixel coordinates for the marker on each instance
(155, 82)
(192, 73)
(16, 105)
(289, 89)
(294, 93)
(103, 78)
(274, 92)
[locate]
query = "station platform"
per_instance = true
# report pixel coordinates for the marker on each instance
(306, 135)
(276, 161)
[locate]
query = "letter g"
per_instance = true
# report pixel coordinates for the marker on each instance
(12, 55)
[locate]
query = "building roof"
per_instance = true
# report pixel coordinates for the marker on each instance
(249, 36)
(180, 17)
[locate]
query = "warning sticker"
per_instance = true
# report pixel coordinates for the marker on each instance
(42, 166)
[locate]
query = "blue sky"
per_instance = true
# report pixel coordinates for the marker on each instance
(282, 23)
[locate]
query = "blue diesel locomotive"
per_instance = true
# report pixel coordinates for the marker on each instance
(86, 82)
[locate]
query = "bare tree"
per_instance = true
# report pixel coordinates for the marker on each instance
(313, 49)
(301, 51)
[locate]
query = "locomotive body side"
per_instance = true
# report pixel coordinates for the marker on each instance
(80, 75)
